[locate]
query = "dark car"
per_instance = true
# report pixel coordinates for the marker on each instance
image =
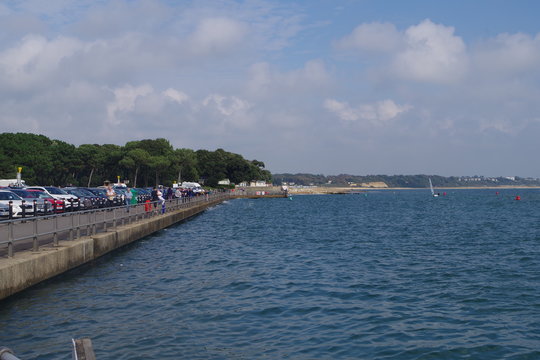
(100, 196)
(88, 199)
(121, 194)
(143, 195)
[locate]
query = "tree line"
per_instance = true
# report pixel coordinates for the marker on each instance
(145, 163)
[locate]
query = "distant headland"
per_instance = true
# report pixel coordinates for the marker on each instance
(400, 181)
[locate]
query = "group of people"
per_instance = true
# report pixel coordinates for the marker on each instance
(168, 193)
(130, 197)
(159, 194)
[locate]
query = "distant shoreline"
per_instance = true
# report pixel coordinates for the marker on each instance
(322, 190)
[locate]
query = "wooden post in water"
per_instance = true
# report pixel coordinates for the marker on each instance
(82, 349)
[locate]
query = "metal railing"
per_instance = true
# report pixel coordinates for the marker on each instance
(35, 208)
(32, 232)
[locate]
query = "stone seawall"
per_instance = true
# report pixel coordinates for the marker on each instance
(29, 268)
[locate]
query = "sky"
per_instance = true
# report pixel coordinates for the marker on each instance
(321, 86)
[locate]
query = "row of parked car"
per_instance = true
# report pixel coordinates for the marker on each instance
(41, 200)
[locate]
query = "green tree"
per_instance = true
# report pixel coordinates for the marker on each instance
(212, 166)
(112, 155)
(54, 162)
(64, 161)
(31, 152)
(93, 158)
(135, 159)
(154, 148)
(185, 165)
(159, 165)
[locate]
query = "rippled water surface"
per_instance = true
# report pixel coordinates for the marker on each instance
(387, 275)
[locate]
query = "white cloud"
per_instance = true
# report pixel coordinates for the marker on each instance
(227, 111)
(226, 105)
(124, 101)
(178, 96)
(216, 35)
(382, 37)
(387, 110)
(426, 52)
(432, 53)
(253, 75)
(142, 103)
(315, 72)
(509, 54)
(375, 113)
(35, 60)
(260, 77)
(342, 109)
(265, 80)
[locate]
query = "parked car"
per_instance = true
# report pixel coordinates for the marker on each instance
(121, 194)
(30, 196)
(55, 205)
(86, 198)
(143, 195)
(4, 210)
(101, 196)
(56, 193)
(17, 203)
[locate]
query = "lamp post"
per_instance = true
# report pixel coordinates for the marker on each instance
(19, 179)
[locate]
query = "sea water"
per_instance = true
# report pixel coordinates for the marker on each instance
(381, 275)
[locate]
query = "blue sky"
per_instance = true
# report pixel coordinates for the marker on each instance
(331, 87)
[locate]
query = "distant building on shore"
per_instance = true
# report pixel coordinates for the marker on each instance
(254, 183)
(258, 183)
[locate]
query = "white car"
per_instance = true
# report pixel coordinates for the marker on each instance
(17, 202)
(56, 193)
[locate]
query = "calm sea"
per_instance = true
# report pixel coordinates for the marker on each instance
(387, 275)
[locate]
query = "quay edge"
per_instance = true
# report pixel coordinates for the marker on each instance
(29, 268)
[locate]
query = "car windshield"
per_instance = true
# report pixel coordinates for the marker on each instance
(85, 192)
(8, 195)
(23, 193)
(40, 194)
(76, 192)
(98, 191)
(55, 191)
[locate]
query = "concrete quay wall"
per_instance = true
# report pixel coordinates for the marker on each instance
(29, 268)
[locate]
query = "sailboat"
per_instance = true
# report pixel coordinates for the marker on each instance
(431, 187)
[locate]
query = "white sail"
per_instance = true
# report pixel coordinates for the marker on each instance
(431, 187)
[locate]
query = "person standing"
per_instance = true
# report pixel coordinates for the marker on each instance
(110, 195)
(154, 196)
(129, 195)
(134, 195)
(161, 200)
